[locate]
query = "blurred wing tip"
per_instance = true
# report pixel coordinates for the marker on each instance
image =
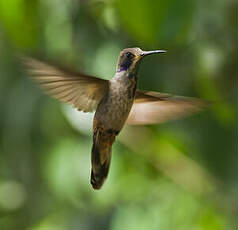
(155, 108)
(82, 91)
(202, 104)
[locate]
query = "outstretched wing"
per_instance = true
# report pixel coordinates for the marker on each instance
(153, 107)
(82, 91)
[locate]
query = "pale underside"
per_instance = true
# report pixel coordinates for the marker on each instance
(85, 92)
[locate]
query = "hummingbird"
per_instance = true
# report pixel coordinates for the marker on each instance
(116, 102)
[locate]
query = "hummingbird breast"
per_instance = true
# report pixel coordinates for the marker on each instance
(115, 107)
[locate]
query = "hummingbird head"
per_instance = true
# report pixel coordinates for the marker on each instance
(130, 58)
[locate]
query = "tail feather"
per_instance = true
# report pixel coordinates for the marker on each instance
(101, 157)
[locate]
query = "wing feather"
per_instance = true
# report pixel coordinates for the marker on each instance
(82, 91)
(154, 107)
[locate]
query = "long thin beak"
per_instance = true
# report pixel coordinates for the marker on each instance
(145, 53)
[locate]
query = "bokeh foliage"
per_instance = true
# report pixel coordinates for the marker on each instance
(181, 175)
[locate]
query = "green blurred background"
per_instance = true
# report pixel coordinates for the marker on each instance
(181, 175)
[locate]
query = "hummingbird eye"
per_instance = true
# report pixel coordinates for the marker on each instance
(126, 60)
(129, 55)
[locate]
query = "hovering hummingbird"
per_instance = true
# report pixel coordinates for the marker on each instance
(116, 102)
